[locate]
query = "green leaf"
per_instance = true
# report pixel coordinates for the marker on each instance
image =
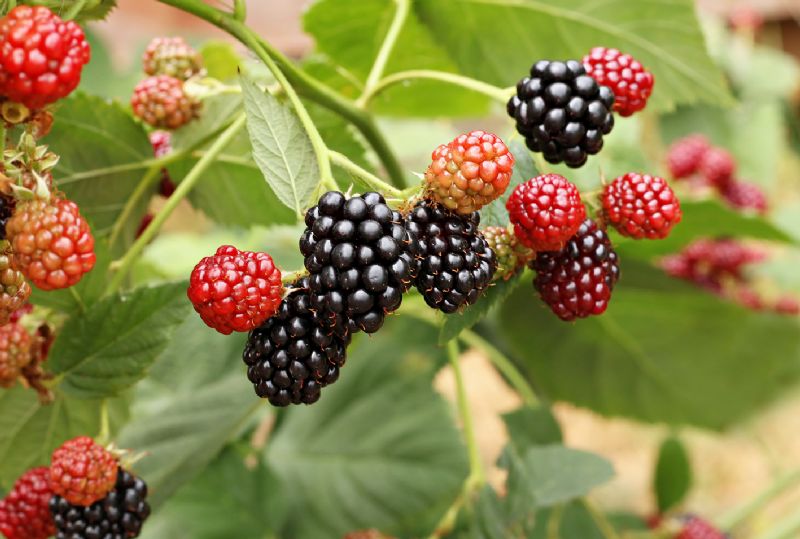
(657, 353)
(253, 506)
(706, 218)
(495, 214)
(30, 431)
(84, 294)
(96, 11)
(529, 426)
(529, 30)
(554, 474)
(281, 147)
(102, 151)
(195, 400)
(111, 347)
(220, 60)
(351, 33)
(454, 324)
(378, 450)
(673, 474)
(233, 191)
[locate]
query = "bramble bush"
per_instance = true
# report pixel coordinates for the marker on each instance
(598, 247)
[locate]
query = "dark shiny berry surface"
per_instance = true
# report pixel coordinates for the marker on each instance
(360, 260)
(456, 263)
(562, 112)
(119, 515)
(294, 354)
(577, 281)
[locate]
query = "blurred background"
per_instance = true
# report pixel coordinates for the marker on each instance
(755, 40)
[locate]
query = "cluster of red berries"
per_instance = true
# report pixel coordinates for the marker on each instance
(83, 493)
(161, 99)
(706, 166)
(720, 266)
(575, 263)
(44, 239)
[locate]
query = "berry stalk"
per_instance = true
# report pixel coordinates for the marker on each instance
(739, 514)
(308, 86)
(389, 41)
(498, 94)
(126, 262)
(344, 162)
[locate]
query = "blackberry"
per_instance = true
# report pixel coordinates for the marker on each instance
(576, 281)
(360, 260)
(456, 262)
(562, 112)
(293, 355)
(117, 516)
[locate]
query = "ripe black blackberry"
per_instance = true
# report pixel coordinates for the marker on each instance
(292, 356)
(119, 515)
(456, 262)
(562, 112)
(577, 281)
(360, 260)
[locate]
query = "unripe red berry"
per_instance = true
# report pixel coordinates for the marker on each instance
(82, 471)
(631, 83)
(640, 206)
(41, 56)
(235, 290)
(545, 211)
(470, 172)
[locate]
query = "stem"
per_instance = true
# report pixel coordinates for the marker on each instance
(155, 167)
(476, 469)
(370, 179)
(785, 529)
(78, 300)
(375, 74)
(499, 360)
(172, 202)
(320, 148)
(499, 94)
(739, 514)
(240, 10)
(304, 83)
(503, 364)
(476, 477)
(291, 276)
(104, 436)
(554, 522)
(74, 10)
(600, 520)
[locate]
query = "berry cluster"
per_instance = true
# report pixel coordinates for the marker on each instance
(694, 158)
(361, 253)
(84, 493)
(119, 514)
(161, 100)
(720, 266)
